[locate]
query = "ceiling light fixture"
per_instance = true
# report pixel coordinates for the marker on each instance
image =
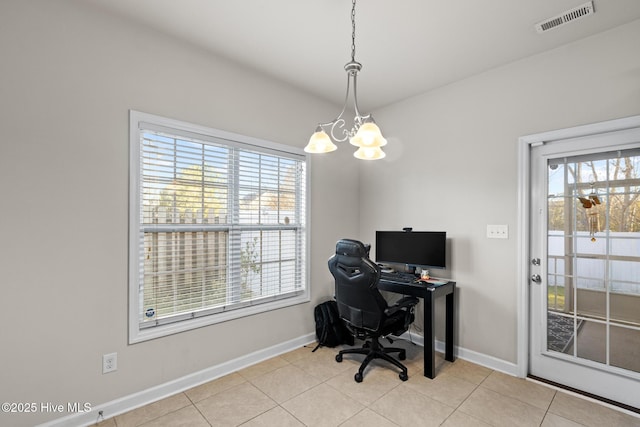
(364, 133)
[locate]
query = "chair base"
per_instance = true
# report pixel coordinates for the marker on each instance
(374, 350)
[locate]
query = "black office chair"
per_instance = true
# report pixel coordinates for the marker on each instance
(364, 309)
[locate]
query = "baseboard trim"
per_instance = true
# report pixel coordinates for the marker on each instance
(153, 394)
(468, 355)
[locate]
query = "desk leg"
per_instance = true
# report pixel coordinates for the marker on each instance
(450, 315)
(429, 345)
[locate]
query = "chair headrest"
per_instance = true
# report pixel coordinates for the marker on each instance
(354, 248)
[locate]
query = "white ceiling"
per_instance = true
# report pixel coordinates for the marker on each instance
(406, 47)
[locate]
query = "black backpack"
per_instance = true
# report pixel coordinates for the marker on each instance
(330, 329)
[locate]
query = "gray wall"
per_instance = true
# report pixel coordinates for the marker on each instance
(451, 165)
(68, 76)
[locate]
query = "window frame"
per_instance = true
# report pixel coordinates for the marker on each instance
(137, 333)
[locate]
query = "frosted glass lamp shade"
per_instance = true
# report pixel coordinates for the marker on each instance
(320, 143)
(368, 135)
(369, 153)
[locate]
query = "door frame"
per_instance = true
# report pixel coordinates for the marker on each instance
(525, 143)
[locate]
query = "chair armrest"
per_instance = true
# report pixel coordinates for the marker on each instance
(404, 303)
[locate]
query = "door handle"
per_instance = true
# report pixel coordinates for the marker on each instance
(536, 278)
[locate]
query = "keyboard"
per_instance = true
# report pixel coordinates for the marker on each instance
(397, 276)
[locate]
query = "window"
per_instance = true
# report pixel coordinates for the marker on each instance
(217, 226)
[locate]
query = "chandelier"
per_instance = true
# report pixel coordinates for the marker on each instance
(364, 133)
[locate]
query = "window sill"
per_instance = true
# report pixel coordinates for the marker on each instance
(137, 334)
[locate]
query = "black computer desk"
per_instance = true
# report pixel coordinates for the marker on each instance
(429, 293)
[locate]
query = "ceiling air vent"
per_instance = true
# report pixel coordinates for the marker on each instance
(565, 17)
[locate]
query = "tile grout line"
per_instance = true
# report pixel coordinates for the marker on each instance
(457, 408)
(517, 399)
(198, 409)
(546, 412)
(163, 415)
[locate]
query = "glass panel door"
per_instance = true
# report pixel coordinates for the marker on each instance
(593, 244)
(584, 266)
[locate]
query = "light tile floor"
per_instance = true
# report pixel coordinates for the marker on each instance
(301, 388)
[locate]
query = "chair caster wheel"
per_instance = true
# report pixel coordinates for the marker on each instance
(403, 376)
(402, 355)
(366, 344)
(358, 377)
(338, 358)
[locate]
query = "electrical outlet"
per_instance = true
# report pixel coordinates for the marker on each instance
(109, 362)
(497, 231)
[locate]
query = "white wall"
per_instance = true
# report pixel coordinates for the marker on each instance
(68, 77)
(451, 165)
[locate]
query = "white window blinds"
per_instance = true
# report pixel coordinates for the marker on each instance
(220, 223)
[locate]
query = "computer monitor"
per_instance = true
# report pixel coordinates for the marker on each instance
(412, 248)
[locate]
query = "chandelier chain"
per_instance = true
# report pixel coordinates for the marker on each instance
(353, 30)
